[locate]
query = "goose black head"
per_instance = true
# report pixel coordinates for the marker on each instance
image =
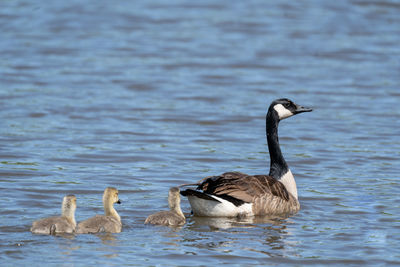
(286, 108)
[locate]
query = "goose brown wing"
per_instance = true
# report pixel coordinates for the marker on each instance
(243, 187)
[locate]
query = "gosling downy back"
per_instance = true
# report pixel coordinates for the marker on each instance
(110, 222)
(59, 224)
(173, 217)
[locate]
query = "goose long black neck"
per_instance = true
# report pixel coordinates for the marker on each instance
(278, 165)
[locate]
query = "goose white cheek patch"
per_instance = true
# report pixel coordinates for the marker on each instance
(283, 112)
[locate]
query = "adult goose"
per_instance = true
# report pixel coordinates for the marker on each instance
(237, 194)
(58, 225)
(110, 222)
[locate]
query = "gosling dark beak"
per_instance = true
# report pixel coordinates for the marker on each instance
(301, 109)
(119, 201)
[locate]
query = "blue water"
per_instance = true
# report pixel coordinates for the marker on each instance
(145, 95)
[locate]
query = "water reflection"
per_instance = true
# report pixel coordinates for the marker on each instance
(107, 238)
(173, 237)
(264, 235)
(218, 223)
(65, 236)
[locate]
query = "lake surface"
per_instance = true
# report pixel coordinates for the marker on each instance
(145, 95)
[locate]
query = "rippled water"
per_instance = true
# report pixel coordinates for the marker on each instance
(144, 95)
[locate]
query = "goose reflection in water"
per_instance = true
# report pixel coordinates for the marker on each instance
(216, 223)
(261, 233)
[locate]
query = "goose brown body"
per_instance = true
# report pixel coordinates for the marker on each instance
(267, 195)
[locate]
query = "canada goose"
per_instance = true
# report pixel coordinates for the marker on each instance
(237, 194)
(173, 217)
(110, 222)
(56, 225)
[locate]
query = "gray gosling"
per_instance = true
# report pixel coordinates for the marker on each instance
(173, 217)
(59, 224)
(108, 223)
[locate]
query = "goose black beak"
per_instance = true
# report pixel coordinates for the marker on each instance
(301, 109)
(119, 201)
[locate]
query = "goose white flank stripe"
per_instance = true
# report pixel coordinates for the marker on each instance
(234, 194)
(223, 208)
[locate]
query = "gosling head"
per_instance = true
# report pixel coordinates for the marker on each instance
(111, 196)
(68, 206)
(285, 108)
(174, 199)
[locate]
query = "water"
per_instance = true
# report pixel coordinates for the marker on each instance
(144, 95)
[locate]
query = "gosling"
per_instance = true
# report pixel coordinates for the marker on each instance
(108, 223)
(59, 224)
(173, 217)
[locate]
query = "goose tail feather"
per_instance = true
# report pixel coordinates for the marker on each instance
(191, 192)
